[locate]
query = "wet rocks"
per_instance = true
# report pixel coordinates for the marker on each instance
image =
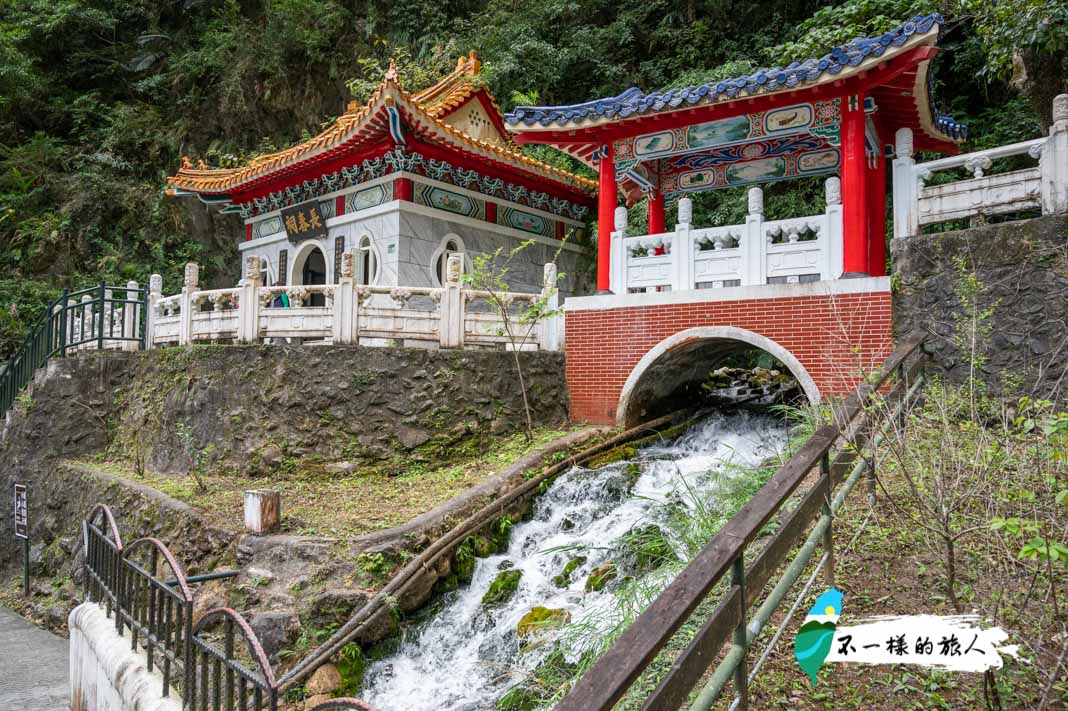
(503, 588)
(601, 576)
(540, 618)
(564, 578)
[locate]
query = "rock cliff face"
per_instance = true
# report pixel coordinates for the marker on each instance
(1022, 274)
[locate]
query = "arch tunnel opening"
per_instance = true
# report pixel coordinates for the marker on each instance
(673, 374)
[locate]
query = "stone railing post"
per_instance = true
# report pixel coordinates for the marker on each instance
(344, 328)
(552, 328)
(185, 304)
(832, 229)
(155, 293)
(87, 323)
(1053, 163)
(906, 188)
(754, 245)
(617, 274)
(248, 302)
(451, 308)
(129, 318)
(682, 251)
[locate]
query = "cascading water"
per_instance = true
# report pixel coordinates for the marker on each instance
(467, 656)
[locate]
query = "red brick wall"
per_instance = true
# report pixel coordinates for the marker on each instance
(834, 337)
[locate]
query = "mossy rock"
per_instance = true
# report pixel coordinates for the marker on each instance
(351, 666)
(564, 578)
(626, 451)
(518, 698)
(540, 618)
(464, 565)
(447, 584)
(482, 546)
(601, 576)
(502, 588)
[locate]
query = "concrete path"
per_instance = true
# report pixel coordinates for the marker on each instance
(33, 667)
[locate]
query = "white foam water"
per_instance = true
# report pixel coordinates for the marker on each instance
(466, 657)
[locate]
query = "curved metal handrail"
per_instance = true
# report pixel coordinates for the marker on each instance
(109, 519)
(226, 613)
(179, 574)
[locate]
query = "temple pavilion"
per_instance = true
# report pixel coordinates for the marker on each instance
(836, 115)
(403, 180)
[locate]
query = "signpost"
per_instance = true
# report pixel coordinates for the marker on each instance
(22, 530)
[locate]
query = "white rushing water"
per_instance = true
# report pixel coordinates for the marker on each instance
(466, 657)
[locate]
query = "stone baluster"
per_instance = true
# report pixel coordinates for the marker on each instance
(1053, 161)
(831, 231)
(155, 293)
(451, 308)
(906, 187)
(682, 248)
(617, 276)
(552, 327)
(344, 324)
(185, 301)
(754, 244)
(248, 301)
(86, 324)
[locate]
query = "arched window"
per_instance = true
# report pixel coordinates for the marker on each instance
(451, 244)
(366, 266)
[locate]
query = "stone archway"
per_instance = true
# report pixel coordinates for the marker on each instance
(684, 359)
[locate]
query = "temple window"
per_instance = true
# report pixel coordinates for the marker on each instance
(451, 244)
(366, 262)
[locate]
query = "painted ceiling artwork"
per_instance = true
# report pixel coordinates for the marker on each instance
(793, 141)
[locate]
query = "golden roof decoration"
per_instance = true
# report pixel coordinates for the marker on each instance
(425, 110)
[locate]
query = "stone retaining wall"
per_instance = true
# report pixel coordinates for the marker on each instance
(1022, 270)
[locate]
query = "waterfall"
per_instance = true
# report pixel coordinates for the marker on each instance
(466, 656)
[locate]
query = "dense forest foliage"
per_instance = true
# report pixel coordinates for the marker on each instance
(99, 99)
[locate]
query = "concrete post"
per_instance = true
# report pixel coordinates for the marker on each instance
(754, 245)
(1053, 163)
(185, 304)
(129, 318)
(682, 250)
(832, 228)
(618, 253)
(86, 323)
(263, 511)
(344, 303)
(155, 293)
(552, 328)
(451, 329)
(248, 302)
(906, 189)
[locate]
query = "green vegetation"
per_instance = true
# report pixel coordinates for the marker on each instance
(502, 588)
(100, 99)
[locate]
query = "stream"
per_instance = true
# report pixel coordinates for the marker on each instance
(465, 657)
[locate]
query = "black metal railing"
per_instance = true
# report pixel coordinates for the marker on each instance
(218, 662)
(99, 317)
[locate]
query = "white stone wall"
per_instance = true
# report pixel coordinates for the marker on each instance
(104, 674)
(407, 238)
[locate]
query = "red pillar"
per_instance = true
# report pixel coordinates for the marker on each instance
(876, 196)
(606, 208)
(339, 208)
(248, 231)
(656, 213)
(854, 188)
(491, 212)
(402, 189)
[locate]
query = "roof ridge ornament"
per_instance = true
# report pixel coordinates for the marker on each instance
(391, 73)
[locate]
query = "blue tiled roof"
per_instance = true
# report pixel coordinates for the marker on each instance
(633, 101)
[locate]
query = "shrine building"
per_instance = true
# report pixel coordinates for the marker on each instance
(811, 289)
(403, 181)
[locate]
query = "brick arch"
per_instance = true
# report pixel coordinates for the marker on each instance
(729, 336)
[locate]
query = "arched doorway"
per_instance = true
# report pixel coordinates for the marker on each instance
(665, 378)
(309, 269)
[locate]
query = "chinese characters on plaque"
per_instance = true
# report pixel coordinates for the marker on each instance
(304, 221)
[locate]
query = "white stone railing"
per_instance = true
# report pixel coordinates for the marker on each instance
(1043, 186)
(447, 317)
(757, 252)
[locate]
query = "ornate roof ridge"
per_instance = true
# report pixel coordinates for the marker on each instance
(356, 118)
(633, 101)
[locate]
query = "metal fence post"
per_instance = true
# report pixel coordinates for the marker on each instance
(828, 534)
(741, 672)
